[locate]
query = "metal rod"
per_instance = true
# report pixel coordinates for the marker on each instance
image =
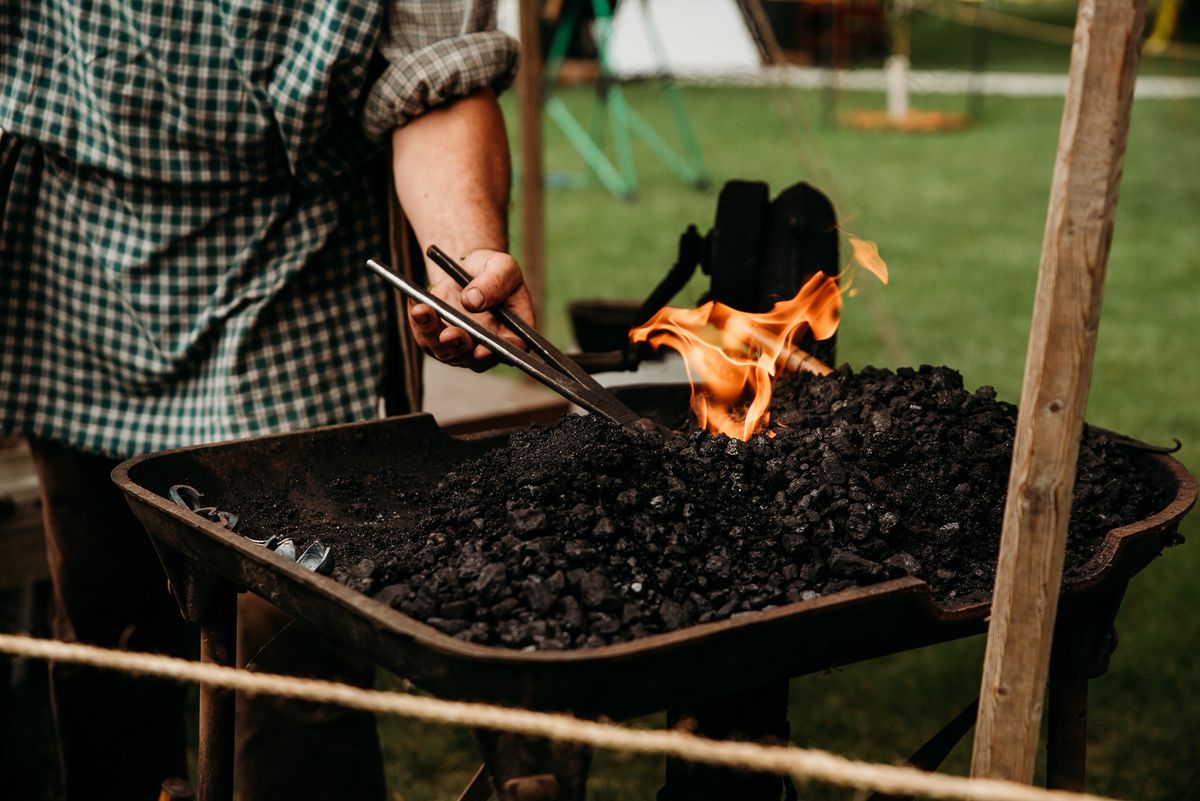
(593, 156)
(562, 384)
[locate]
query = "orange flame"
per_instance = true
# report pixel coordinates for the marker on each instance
(733, 357)
(866, 255)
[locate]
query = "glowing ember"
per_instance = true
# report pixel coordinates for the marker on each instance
(733, 357)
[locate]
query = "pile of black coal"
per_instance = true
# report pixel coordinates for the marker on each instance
(580, 534)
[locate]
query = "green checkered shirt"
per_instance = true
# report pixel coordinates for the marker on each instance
(188, 191)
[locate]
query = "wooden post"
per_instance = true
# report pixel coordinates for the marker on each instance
(529, 101)
(1058, 369)
(897, 65)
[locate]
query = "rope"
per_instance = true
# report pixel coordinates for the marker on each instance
(803, 764)
(1021, 27)
(1036, 30)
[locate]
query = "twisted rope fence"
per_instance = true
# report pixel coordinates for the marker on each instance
(802, 764)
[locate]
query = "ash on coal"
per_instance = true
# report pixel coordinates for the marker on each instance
(581, 534)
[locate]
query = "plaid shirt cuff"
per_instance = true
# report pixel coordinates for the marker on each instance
(419, 81)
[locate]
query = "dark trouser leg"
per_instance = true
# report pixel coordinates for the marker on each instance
(119, 736)
(295, 750)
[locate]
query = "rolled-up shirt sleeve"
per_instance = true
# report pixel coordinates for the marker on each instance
(436, 51)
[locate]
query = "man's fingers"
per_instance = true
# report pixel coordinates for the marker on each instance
(497, 275)
(498, 281)
(424, 318)
(433, 336)
(482, 359)
(521, 303)
(455, 338)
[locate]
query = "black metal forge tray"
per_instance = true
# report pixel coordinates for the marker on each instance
(620, 680)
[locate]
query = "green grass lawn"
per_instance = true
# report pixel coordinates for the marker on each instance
(959, 219)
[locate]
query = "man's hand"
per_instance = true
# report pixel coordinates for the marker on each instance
(497, 282)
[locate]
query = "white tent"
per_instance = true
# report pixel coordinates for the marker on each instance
(698, 38)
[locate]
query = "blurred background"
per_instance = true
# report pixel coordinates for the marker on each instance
(932, 126)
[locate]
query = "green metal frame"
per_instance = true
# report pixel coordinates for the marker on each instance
(624, 122)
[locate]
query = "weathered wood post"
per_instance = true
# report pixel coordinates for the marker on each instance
(529, 101)
(1058, 368)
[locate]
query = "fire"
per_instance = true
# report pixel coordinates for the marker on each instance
(866, 255)
(733, 357)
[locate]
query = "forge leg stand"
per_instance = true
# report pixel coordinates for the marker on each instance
(211, 604)
(1083, 641)
(1066, 738)
(756, 714)
(532, 769)
(218, 646)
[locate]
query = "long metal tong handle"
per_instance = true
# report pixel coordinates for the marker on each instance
(533, 338)
(528, 334)
(561, 383)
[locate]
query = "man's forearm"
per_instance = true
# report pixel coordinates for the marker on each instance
(452, 175)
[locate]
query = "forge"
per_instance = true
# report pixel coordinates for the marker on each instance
(554, 597)
(687, 670)
(580, 534)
